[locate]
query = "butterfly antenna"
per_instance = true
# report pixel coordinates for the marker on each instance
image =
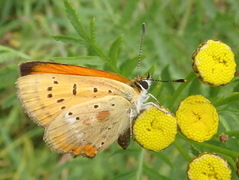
(177, 80)
(141, 47)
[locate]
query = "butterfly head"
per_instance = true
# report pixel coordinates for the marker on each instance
(142, 83)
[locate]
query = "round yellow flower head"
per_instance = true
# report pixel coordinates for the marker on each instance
(214, 63)
(197, 118)
(208, 166)
(155, 129)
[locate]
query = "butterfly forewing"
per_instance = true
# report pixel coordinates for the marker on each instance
(89, 127)
(38, 67)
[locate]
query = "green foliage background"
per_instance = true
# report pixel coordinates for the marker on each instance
(108, 38)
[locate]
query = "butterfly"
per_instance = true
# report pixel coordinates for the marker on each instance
(82, 110)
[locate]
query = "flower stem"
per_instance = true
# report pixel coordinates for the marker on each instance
(140, 167)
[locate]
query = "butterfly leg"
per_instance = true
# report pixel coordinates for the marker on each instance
(151, 104)
(154, 98)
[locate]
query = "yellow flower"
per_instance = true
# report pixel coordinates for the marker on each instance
(208, 166)
(155, 129)
(214, 63)
(197, 118)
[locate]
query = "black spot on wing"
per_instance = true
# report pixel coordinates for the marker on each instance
(95, 89)
(74, 91)
(60, 100)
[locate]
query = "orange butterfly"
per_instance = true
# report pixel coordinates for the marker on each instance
(82, 110)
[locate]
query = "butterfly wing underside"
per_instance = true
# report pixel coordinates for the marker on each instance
(48, 98)
(87, 128)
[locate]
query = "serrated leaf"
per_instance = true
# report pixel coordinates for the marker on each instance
(115, 49)
(90, 49)
(75, 21)
(69, 40)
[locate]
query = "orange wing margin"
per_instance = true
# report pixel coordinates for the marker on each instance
(38, 67)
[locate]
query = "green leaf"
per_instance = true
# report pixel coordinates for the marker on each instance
(234, 97)
(115, 49)
(180, 89)
(92, 29)
(152, 70)
(126, 67)
(7, 54)
(165, 75)
(75, 21)
(195, 87)
(76, 60)
(90, 49)
(69, 40)
(181, 149)
(211, 147)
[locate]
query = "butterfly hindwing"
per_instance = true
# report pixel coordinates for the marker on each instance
(87, 128)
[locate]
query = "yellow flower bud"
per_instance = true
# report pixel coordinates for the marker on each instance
(155, 129)
(208, 166)
(197, 118)
(214, 63)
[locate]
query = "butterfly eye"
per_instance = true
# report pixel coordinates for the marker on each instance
(144, 84)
